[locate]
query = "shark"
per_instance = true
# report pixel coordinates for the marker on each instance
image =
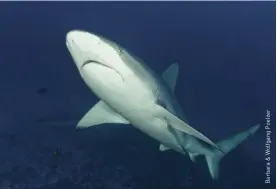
(130, 92)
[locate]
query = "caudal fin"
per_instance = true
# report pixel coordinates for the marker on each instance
(227, 145)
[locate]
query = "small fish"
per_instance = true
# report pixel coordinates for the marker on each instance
(57, 153)
(42, 91)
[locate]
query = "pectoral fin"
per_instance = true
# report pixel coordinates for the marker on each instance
(100, 114)
(178, 124)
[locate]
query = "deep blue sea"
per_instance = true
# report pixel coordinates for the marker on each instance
(226, 52)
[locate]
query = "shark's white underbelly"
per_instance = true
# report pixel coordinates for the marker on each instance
(131, 97)
(121, 91)
(154, 127)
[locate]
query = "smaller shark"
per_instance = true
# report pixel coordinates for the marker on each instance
(131, 93)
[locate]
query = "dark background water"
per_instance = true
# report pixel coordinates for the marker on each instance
(226, 52)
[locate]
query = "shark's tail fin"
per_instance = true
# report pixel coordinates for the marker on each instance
(227, 145)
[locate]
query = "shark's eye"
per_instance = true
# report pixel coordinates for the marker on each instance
(118, 51)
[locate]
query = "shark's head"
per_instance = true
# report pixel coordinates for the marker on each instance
(87, 48)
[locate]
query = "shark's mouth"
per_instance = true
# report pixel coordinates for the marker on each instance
(102, 64)
(91, 62)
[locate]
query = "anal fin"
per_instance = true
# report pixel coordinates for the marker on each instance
(163, 148)
(193, 156)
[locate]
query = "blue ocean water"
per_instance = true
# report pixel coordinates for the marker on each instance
(226, 52)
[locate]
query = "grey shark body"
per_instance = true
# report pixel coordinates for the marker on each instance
(132, 93)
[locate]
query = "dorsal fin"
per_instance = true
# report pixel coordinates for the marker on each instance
(170, 76)
(100, 114)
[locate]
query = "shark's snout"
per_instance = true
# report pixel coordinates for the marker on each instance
(76, 35)
(81, 40)
(83, 47)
